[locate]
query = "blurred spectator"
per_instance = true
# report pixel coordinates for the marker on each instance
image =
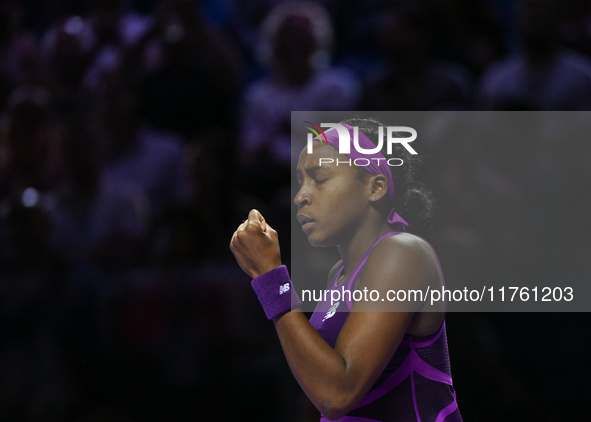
(246, 18)
(191, 233)
(113, 28)
(19, 51)
(245, 22)
(296, 47)
(474, 33)
(31, 158)
(95, 220)
(66, 57)
(194, 80)
(150, 159)
(35, 384)
(544, 75)
(412, 79)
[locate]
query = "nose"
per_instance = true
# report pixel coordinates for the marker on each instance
(302, 197)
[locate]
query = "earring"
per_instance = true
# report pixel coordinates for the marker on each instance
(374, 197)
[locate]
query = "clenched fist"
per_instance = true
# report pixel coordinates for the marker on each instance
(255, 246)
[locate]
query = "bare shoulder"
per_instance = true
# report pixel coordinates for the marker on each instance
(405, 246)
(407, 264)
(404, 260)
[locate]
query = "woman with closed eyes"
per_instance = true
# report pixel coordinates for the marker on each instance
(359, 360)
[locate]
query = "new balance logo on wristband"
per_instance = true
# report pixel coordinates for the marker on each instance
(283, 288)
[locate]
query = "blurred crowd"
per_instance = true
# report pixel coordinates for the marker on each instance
(137, 134)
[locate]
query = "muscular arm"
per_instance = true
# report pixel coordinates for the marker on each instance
(336, 379)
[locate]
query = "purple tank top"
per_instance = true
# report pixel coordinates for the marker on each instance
(415, 386)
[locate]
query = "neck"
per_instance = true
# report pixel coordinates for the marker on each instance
(353, 250)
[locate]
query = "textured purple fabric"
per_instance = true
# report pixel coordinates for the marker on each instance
(416, 385)
(276, 292)
(446, 411)
(421, 367)
(377, 162)
(350, 419)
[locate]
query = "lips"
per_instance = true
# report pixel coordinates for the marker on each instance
(305, 221)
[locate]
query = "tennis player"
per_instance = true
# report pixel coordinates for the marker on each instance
(359, 360)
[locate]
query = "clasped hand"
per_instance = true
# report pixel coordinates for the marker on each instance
(255, 246)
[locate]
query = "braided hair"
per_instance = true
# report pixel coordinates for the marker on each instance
(413, 200)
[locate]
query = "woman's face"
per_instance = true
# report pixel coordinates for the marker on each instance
(331, 199)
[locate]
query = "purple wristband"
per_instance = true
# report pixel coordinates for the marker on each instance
(276, 292)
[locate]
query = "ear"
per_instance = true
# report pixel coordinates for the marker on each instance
(378, 187)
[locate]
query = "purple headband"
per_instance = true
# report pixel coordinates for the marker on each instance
(377, 166)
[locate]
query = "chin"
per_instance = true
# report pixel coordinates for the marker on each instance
(313, 240)
(315, 244)
(319, 241)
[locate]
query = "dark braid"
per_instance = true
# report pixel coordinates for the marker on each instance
(413, 200)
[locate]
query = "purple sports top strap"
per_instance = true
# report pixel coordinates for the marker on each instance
(359, 267)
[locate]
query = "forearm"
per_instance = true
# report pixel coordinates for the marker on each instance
(334, 379)
(320, 370)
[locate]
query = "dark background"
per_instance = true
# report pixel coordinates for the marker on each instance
(137, 135)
